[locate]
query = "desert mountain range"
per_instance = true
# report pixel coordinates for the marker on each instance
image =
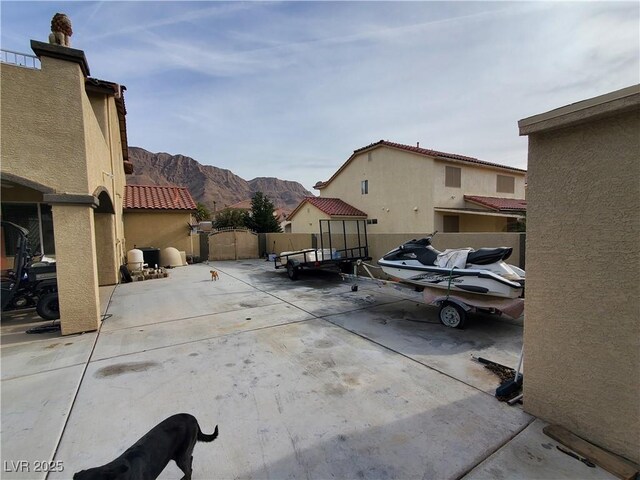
(208, 184)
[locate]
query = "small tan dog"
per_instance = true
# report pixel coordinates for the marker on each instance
(214, 275)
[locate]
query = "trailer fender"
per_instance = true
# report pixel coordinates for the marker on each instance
(440, 300)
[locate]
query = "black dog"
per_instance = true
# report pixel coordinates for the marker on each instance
(172, 439)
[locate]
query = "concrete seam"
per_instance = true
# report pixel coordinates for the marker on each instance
(405, 356)
(84, 371)
(205, 339)
(495, 450)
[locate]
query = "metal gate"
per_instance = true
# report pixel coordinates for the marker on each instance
(233, 244)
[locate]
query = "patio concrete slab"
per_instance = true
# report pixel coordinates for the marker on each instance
(167, 304)
(137, 339)
(356, 393)
(413, 329)
(302, 400)
(531, 454)
(34, 411)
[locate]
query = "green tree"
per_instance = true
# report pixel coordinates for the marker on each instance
(202, 213)
(260, 218)
(230, 218)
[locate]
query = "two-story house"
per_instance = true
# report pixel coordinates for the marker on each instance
(64, 159)
(409, 189)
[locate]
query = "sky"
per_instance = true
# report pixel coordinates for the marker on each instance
(291, 89)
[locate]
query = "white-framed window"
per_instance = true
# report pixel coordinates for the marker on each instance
(364, 187)
(452, 177)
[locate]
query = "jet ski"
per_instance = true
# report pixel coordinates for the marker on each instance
(482, 272)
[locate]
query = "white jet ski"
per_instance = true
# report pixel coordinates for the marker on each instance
(481, 272)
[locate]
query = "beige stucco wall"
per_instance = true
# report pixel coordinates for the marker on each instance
(306, 219)
(399, 181)
(474, 180)
(54, 134)
(582, 330)
(160, 229)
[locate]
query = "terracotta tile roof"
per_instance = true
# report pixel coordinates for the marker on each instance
(497, 203)
(420, 151)
(155, 197)
(333, 207)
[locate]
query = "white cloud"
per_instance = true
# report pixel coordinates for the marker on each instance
(291, 89)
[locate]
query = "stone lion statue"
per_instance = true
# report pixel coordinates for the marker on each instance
(60, 30)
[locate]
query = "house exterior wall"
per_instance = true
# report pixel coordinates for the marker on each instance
(52, 136)
(306, 219)
(160, 229)
(582, 334)
(399, 181)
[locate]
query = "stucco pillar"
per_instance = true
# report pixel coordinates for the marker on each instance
(108, 259)
(76, 268)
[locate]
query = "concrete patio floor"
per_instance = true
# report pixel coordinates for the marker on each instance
(305, 379)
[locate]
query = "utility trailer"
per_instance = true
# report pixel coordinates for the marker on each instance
(453, 307)
(342, 243)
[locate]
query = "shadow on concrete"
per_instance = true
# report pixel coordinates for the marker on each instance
(444, 442)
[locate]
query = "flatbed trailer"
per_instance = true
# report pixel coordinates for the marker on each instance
(342, 243)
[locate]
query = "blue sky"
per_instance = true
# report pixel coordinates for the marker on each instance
(290, 89)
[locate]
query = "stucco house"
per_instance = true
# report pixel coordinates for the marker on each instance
(305, 217)
(582, 334)
(410, 189)
(64, 159)
(160, 217)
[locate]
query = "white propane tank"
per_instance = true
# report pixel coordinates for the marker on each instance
(135, 259)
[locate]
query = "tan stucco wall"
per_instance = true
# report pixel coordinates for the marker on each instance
(160, 229)
(306, 219)
(42, 124)
(51, 135)
(474, 180)
(582, 330)
(287, 242)
(76, 269)
(399, 181)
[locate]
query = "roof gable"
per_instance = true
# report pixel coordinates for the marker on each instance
(153, 197)
(334, 207)
(420, 151)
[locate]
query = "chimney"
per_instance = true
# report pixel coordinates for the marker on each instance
(418, 144)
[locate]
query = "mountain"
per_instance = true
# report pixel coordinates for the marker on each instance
(208, 184)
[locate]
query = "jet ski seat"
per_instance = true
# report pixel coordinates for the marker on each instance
(485, 256)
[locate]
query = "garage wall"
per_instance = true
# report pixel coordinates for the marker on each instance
(160, 229)
(582, 330)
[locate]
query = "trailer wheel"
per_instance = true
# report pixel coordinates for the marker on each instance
(452, 315)
(292, 271)
(48, 307)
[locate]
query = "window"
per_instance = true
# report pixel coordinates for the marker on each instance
(505, 184)
(452, 176)
(451, 223)
(364, 187)
(372, 221)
